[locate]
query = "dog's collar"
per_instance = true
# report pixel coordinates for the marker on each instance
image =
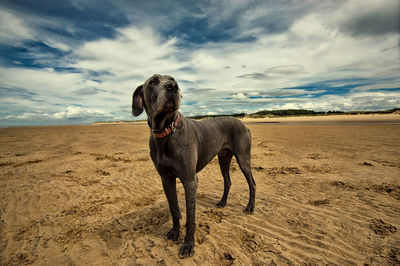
(168, 130)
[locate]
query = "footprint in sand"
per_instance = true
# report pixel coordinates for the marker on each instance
(314, 156)
(341, 184)
(317, 169)
(100, 157)
(283, 170)
(391, 189)
(214, 215)
(102, 172)
(319, 202)
(365, 164)
(381, 228)
(202, 232)
(262, 144)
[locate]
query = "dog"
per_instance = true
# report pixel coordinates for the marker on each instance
(181, 147)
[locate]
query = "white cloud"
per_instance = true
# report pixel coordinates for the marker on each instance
(29, 116)
(12, 28)
(351, 102)
(319, 53)
(376, 87)
(253, 93)
(136, 51)
(78, 112)
(14, 31)
(40, 80)
(73, 113)
(239, 96)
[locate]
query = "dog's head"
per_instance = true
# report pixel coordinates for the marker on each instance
(159, 96)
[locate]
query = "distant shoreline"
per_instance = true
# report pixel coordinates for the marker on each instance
(393, 118)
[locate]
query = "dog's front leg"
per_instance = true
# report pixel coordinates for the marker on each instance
(190, 186)
(169, 184)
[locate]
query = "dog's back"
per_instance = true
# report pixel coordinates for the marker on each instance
(220, 135)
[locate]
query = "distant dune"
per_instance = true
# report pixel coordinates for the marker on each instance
(328, 192)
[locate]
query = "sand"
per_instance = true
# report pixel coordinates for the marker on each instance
(327, 193)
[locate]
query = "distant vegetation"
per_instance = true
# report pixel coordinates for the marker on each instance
(295, 112)
(288, 112)
(241, 115)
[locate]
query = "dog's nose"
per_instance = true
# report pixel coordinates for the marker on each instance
(171, 87)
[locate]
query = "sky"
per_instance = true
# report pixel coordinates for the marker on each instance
(79, 61)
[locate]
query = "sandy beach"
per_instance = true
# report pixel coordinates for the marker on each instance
(328, 192)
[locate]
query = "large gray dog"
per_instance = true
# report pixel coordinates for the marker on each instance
(180, 147)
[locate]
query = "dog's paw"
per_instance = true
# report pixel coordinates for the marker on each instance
(173, 234)
(221, 203)
(186, 250)
(249, 209)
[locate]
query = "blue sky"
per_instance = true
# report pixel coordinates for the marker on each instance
(78, 61)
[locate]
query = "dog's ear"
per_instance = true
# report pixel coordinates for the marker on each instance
(137, 101)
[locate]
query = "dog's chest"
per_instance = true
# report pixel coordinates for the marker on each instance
(163, 154)
(163, 159)
(164, 164)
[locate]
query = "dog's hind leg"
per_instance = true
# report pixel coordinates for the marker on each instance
(224, 159)
(244, 164)
(243, 157)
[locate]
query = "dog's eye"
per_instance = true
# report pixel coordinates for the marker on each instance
(154, 81)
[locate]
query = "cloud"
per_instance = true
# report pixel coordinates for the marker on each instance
(374, 18)
(254, 93)
(29, 116)
(349, 102)
(253, 76)
(16, 92)
(39, 80)
(17, 32)
(87, 91)
(239, 96)
(73, 112)
(276, 71)
(135, 51)
(70, 20)
(380, 86)
(285, 69)
(12, 28)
